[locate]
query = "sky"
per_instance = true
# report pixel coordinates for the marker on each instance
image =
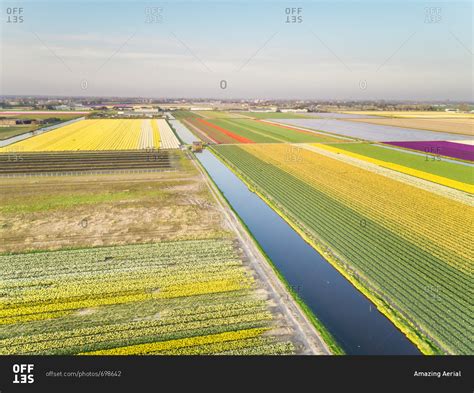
(338, 50)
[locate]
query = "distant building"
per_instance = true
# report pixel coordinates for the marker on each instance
(7, 122)
(293, 110)
(263, 110)
(62, 108)
(80, 107)
(145, 110)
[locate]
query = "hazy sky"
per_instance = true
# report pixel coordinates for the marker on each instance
(341, 50)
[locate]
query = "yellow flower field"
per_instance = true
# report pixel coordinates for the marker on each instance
(422, 217)
(142, 349)
(188, 296)
(156, 133)
(406, 248)
(102, 134)
(403, 169)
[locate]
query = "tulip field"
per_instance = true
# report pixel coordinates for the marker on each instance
(115, 239)
(452, 174)
(101, 134)
(230, 131)
(407, 249)
(185, 297)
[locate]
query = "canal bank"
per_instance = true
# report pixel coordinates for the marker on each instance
(312, 338)
(351, 318)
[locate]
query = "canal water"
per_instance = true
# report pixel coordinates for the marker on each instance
(351, 318)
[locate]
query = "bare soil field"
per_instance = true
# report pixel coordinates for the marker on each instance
(94, 210)
(454, 126)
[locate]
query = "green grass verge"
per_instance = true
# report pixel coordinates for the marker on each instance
(54, 201)
(8, 132)
(447, 169)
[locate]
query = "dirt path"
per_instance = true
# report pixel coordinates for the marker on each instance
(303, 329)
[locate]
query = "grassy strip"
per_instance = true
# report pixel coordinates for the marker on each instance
(8, 132)
(424, 344)
(331, 342)
(11, 131)
(406, 161)
(68, 201)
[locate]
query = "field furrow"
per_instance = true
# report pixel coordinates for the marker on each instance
(400, 242)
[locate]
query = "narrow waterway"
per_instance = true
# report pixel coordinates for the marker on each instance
(350, 317)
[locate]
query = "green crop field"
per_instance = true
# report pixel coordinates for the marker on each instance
(264, 132)
(181, 114)
(8, 132)
(231, 131)
(433, 165)
(188, 297)
(390, 239)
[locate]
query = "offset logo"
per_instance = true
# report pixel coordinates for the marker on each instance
(15, 15)
(23, 373)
